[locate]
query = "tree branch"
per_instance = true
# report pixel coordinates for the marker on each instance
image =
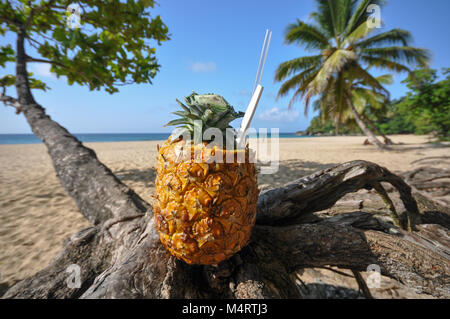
(94, 250)
(404, 256)
(83, 249)
(323, 189)
(10, 101)
(439, 158)
(8, 20)
(31, 59)
(362, 284)
(35, 10)
(144, 269)
(430, 200)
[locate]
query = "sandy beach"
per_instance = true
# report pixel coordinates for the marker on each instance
(36, 214)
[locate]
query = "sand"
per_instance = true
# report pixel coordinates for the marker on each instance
(36, 214)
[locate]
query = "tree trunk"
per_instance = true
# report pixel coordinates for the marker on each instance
(387, 140)
(337, 126)
(372, 138)
(97, 192)
(121, 256)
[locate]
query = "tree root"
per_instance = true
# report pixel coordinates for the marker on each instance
(429, 192)
(362, 284)
(323, 189)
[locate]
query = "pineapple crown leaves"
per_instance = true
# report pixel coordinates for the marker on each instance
(211, 109)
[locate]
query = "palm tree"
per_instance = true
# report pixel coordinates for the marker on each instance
(347, 49)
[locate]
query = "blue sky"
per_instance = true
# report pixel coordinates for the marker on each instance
(215, 47)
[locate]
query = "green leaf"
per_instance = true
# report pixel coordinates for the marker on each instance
(115, 44)
(207, 115)
(183, 106)
(196, 110)
(7, 54)
(176, 122)
(181, 113)
(7, 80)
(38, 84)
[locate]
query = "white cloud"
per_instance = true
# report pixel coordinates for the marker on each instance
(42, 69)
(203, 66)
(277, 115)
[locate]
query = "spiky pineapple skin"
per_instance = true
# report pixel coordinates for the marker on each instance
(204, 212)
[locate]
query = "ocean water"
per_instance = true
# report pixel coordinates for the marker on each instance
(104, 137)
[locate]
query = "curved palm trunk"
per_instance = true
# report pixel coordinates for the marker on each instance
(387, 140)
(370, 135)
(337, 126)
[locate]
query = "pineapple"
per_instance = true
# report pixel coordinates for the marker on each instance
(204, 210)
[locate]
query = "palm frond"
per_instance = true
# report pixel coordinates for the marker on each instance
(300, 80)
(332, 102)
(356, 72)
(302, 90)
(376, 101)
(308, 94)
(358, 17)
(361, 32)
(339, 97)
(306, 34)
(386, 79)
(287, 68)
(322, 17)
(384, 64)
(399, 54)
(333, 16)
(324, 104)
(343, 9)
(389, 37)
(359, 101)
(335, 63)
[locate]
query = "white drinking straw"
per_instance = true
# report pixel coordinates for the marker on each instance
(262, 59)
(257, 90)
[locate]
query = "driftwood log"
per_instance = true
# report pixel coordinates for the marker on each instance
(120, 256)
